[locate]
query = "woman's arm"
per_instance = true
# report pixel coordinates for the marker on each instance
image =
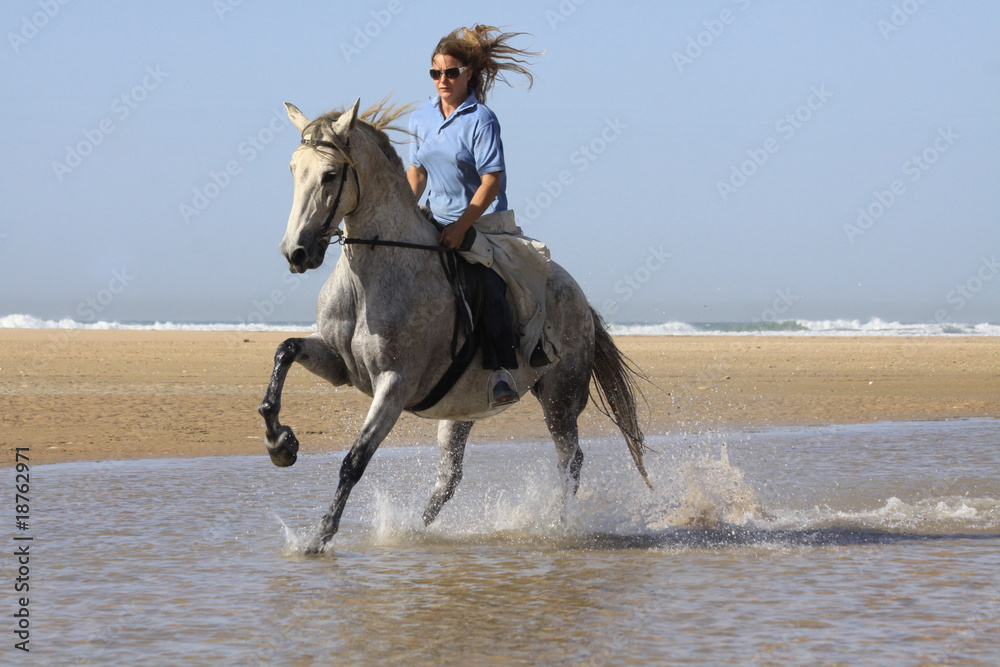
(453, 234)
(417, 176)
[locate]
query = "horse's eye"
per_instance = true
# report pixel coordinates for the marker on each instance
(327, 177)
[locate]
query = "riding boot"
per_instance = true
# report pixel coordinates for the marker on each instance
(501, 389)
(499, 338)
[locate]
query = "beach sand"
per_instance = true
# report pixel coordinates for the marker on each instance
(96, 395)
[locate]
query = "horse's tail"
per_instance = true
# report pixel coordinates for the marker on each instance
(615, 376)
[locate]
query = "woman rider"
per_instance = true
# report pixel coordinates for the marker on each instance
(457, 157)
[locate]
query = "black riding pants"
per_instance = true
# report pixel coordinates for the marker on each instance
(499, 340)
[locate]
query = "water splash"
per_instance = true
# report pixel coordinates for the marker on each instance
(713, 494)
(702, 498)
(295, 542)
(923, 515)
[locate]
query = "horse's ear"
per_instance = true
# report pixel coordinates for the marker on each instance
(298, 118)
(347, 120)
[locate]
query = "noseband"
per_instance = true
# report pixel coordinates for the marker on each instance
(324, 231)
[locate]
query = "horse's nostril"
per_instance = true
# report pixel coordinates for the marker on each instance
(298, 257)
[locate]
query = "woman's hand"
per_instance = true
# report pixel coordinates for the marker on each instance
(452, 236)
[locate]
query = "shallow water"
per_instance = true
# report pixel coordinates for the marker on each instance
(863, 545)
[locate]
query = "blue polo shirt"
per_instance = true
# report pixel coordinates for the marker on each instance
(455, 152)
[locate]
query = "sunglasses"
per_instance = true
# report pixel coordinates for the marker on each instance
(451, 72)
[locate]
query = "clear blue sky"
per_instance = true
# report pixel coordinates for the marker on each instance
(715, 157)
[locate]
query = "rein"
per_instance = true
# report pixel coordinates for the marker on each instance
(344, 240)
(350, 240)
(460, 358)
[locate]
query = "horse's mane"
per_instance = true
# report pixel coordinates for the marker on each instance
(376, 120)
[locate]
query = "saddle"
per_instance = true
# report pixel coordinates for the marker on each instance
(480, 302)
(468, 285)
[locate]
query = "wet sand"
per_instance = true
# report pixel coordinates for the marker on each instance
(95, 395)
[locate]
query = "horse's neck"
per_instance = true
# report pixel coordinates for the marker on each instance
(388, 212)
(387, 208)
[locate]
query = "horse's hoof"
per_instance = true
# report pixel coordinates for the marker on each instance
(285, 451)
(316, 546)
(285, 461)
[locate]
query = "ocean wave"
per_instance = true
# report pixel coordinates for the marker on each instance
(20, 321)
(873, 327)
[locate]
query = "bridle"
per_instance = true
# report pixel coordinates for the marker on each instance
(324, 231)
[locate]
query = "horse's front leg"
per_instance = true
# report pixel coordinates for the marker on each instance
(313, 353)
(385, 409)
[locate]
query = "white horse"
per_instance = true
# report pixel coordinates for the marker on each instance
(385, 316)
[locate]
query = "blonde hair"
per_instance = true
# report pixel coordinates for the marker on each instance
(485, 49)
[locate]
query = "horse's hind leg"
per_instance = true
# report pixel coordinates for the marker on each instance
(316, 356)
(563, 396)
(452, 437)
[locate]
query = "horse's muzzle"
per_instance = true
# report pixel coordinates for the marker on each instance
(301, 260)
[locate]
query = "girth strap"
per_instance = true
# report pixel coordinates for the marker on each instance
(450, 377)
(460, 358)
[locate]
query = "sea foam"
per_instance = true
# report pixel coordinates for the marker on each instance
(833, 327)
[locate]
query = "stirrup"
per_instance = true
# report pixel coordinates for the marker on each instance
(501, 389)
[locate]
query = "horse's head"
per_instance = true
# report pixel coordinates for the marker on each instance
(326, 186)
